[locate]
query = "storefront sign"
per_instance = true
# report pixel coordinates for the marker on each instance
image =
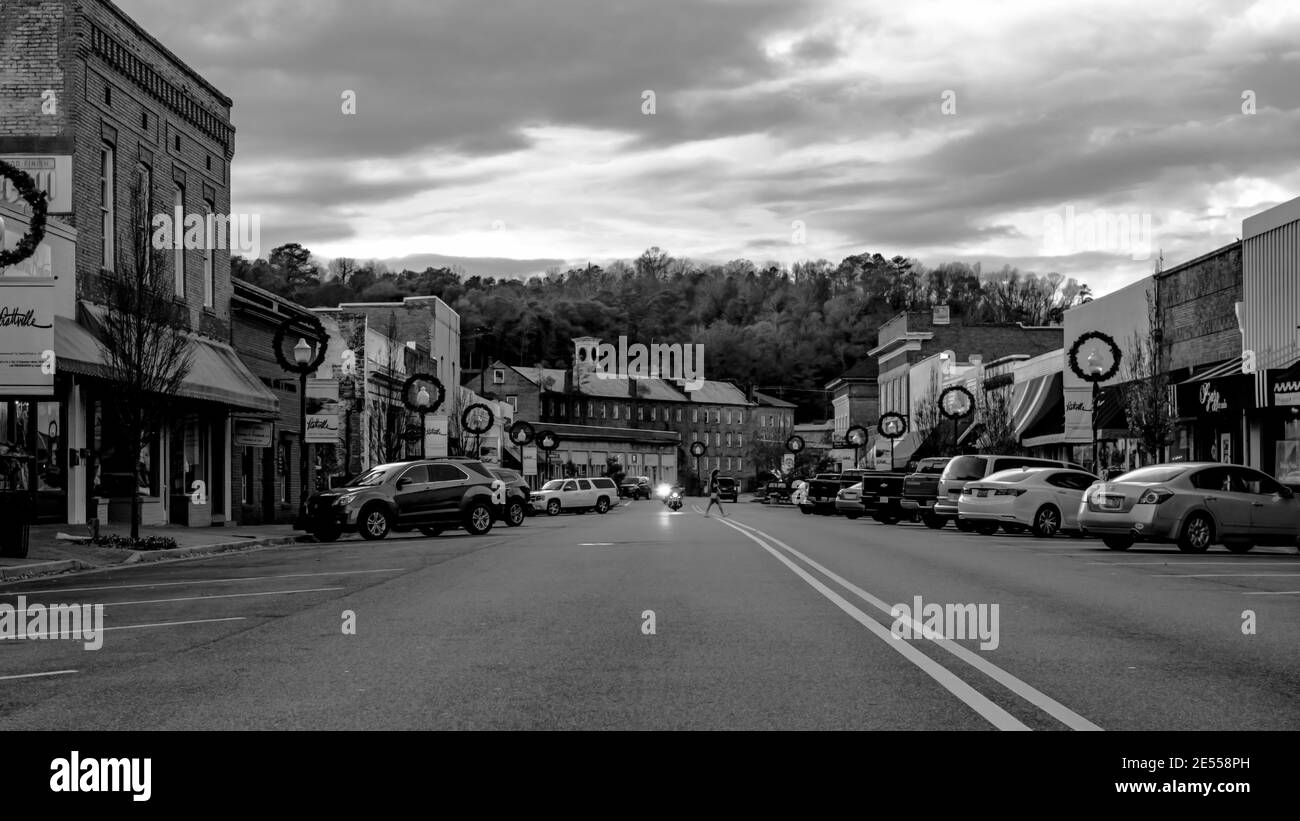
(1286, 392)
(322, 428)
(51, 173)
(27, 362)
(252, 433)
(1225, 394)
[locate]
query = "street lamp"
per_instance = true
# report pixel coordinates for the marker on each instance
(422, 402)
(1095, 370)
(303, 353)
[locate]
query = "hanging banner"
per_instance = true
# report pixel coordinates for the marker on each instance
(27, 358)
(530, 460)
(322, 411)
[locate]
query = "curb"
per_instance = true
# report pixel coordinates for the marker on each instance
(138, 558)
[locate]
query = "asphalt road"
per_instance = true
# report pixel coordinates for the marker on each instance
(768, 619)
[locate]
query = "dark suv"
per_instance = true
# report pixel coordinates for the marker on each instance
(429, 495)
(728, 489)
(517, 495)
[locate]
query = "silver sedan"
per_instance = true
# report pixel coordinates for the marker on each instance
(1194, 505)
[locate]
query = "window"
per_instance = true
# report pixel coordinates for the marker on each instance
(209, 244)
(627, 411)
(584, 484)
(740, 440)
(591, 408)
(640, 413)
(717, 439)
(602, 410)
(108, 94)
(728, 416)
(616, 411)
(728, 463)
(695, 414)
(178, 253)
(728, 439)
(966, 468)
(439, 472)
(498, 376)
(144, 119)
(1071, 480)
(717, 415)
(654, 414)
(417, 475)
(107, 205)
(569, 486)
(177, 142)
(740, 417)
(514, 403)
(679, 414)
(738, 461)
(634, 456)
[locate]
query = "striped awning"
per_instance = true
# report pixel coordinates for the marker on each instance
(1033, 399)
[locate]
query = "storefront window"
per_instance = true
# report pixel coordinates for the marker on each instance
(17, 461)
(189, 456)
(1287, 451)
(119, 471)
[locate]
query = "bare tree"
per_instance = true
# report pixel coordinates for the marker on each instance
(998, 433)
(145, 340)
(926, 415)
(1145, 397)
(387, 412)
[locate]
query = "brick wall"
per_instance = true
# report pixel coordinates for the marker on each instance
(1198, 309)
(34, 35)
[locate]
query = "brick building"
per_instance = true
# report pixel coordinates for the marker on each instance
(96, 109)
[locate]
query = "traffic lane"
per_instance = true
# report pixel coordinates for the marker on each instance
(545, 632)
(171, 607)
(1126, 650)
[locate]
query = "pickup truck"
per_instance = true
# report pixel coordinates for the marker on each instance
(882, 495)
(921, 489)
(825, 487)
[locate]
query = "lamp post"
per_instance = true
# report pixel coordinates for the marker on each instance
(1095, 370)
(422, 402)
(303, 353)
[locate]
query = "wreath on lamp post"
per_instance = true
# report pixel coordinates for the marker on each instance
(440, 393)
(954, 391)
(794, 444)
(477, 430)
(1115, 355)
(317, 329)
(26, 187)
(897, 427)
(522, 433)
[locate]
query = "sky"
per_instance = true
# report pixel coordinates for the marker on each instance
(507, 136)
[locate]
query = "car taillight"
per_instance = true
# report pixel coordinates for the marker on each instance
(1154, 497)
(1006, 491)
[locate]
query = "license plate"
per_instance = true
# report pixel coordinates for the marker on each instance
(1111, 502)
(821, 499)
(884, 500)
(981, 493)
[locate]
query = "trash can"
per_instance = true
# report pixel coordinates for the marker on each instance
(15, 523)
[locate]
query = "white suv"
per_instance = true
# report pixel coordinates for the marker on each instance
(578, 495)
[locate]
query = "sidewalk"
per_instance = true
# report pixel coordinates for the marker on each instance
(48, 554)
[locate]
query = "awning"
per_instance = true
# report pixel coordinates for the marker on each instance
(216, 372)
(1034, 399)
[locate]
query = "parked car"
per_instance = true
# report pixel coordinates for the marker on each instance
(518, 496)
(825, 487)
(429, 495)
(728, 489)
(963, 469)
(921, 489)
(882, 496)
(635, 487)
(848, 502)
(1194, 505)
(1045, 500)
(557, 496)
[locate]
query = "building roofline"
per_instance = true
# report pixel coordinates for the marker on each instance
(171, 55)
(1189, 263)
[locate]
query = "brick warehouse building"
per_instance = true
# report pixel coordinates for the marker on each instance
(91, 105)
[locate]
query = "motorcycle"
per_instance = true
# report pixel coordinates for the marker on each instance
(675, 501)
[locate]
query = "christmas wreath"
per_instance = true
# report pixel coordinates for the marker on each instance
(477, 429)
(26, 187)
(1077, 347)
(440, 393)
(862, 433)
(956, 389)
(522, 433)
(897, 434)
(317, 330)
(794, 444)
(698, 449)
(547, 441)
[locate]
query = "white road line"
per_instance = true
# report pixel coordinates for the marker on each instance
(1243, 563)
(222, 596)
(977, 701)
(1273, 593)
(1026, 691)
(596, 544)
(134, 627)
(197, 582)
(1223, 575)
(38, 675)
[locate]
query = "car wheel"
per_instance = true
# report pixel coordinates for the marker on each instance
(1197, 535)
(806, 510)
(986, 528)
(515, 514)
(1047, 522)
(374, 523)
(1117, 542)
(431, 531)
(934, 522)
(602, 505)
(553, 507)
(327, 534)
(478, 519)
(1239, 547)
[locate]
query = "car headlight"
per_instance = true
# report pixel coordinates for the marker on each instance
(346, 499)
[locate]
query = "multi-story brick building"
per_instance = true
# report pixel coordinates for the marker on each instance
(99, 110)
